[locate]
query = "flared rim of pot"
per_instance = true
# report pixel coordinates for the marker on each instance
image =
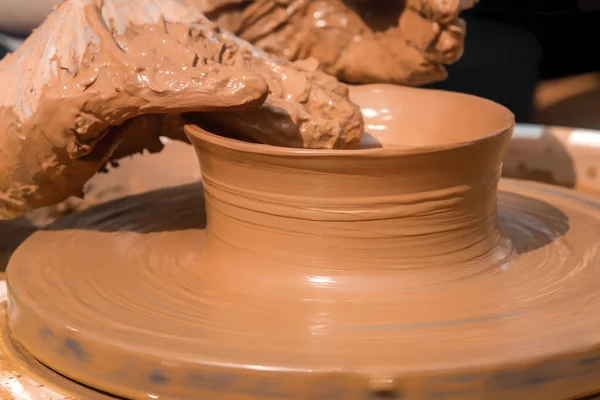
(490, 121)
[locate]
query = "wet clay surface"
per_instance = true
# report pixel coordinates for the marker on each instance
(175, 165)
(100, 80)
(393, 320)
(557, 155)
(358, 41)
(405, 264)
(422, 281)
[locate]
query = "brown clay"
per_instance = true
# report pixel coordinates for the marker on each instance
(103, 79)
(309, 274)
(404, 42)
(175, 165)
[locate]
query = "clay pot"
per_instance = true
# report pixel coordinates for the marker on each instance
(309, 215)
(317, 271)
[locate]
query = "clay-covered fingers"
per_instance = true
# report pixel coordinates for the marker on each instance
(428, 36)
(441, 11)
(349, 37)
(310, 66)
(389, 60)
(151, 69)
(163, 39)
(412, 52)
(434, 28)
(303, 109)
(328, 99)
(88, 72)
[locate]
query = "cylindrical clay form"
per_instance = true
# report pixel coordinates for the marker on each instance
(427, 203)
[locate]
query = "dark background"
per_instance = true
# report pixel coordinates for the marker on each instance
(512, 44)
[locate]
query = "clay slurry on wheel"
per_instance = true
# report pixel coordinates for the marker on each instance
(425, 279)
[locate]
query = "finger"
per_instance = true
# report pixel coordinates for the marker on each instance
(281, 123)
(330, 106)
(92, 78)
(449, 46)
(439, 44)
(304, 92)
(262, 18)
(329, 99)
(392, 61)
(441, 11)
(417, 31)
(321, 95)
(210, 89)
(310, 67)
(219, 88)
(327, 27)
(151, 71)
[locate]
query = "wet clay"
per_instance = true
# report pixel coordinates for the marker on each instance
(356, 40)
(175, 165)
(94, 81)
(23, 377)
(68, 69)
(571, 101)
(398, 269)
(560, 156)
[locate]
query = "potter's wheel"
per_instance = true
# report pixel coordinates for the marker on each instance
(524, 338)
(517, 321)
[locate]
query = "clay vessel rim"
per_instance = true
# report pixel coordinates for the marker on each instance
(198, 132)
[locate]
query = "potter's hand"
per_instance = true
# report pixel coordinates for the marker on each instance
(359, 41)
(103, 79)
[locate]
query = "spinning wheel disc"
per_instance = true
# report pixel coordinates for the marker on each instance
(524, 327)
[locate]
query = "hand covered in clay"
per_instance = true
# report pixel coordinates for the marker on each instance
(100, 80)
(360, 41)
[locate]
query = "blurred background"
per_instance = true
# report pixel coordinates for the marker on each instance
(539, 58)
